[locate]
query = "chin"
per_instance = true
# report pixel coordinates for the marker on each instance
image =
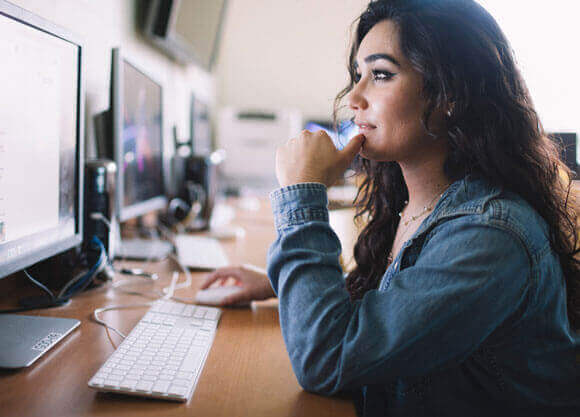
(373, 155)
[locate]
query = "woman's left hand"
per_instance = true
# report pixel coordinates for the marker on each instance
(312, 157)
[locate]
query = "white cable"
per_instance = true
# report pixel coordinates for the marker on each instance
(42, 286)
(95, 215)
(171, 289)
(188, 280)
(70, 283)
(116, 307)
(167, 292)
(99, 216)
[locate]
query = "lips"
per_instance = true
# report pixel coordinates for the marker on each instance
(365, 126)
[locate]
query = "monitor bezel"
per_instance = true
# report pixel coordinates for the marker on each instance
(22, 256)
(141, 208)
(159, 29)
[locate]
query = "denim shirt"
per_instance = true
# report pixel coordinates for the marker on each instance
(469, 319)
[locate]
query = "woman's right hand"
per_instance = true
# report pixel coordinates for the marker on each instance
(252, 280)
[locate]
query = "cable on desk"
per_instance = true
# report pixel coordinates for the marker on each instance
(82, 280)
(40, 285)
(171, 288)
(185, 284)
(116, 307)
(166, 293)
(117, 236)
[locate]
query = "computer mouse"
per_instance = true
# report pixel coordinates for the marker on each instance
(214, 296)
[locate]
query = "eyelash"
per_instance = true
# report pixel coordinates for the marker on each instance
(378, 76)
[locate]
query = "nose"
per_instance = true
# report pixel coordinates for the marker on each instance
(356, 99)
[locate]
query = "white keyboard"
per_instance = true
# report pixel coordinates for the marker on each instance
(145, 249)
(200, 252)
(163, 355)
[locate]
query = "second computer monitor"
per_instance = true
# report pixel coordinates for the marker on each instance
(137, 121)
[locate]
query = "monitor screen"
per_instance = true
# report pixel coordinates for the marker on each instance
(568, 150)
(138, 139)
(40, 140)
(340, 134)
(188, 31)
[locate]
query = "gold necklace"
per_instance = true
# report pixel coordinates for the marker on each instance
(427, 208)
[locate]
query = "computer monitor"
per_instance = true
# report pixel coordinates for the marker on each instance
(41, 156)
(41, 146)
(568, 150)
(340, 134)
(137, 131)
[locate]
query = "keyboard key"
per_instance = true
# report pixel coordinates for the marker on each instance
(193, 359)
(181, 383)
(144, 386)
(185, 375)
(161, 387)
(129, 384)
(212, 314)
(178, 390)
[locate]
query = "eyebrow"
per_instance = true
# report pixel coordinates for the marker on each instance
(376, 57)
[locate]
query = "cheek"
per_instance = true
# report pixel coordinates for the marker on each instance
(400, 114)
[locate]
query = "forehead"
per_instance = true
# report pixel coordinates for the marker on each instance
(382, 38)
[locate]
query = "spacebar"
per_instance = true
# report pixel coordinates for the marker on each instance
(192, 361)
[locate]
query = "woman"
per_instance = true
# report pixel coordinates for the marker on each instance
(464, 300)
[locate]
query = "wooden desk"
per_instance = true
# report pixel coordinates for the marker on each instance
(247, 372)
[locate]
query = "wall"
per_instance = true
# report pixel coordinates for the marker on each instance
(105, 24)
(544, 37)
(278, 54)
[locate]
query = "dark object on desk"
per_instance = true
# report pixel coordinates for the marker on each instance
(568, 150)
(200, 189)
(100, 214)
(197, 187)
(25, 338)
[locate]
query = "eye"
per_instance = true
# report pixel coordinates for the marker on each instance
(382, 75)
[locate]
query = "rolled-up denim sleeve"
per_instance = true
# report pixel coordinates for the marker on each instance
(468, 279)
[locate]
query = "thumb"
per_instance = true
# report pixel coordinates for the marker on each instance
(353, 147)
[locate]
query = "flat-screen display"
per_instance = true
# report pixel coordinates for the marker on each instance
(142, 137)
(138, 139)
(186, 30)
(340, 134)
(40, 145)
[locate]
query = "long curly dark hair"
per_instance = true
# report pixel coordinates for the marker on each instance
(493, 132)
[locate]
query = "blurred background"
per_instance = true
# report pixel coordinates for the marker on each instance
(262, 69)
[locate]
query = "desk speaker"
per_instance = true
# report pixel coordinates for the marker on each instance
(100, 216)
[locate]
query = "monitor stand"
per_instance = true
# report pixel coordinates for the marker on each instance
(144, 249)
(24, 339)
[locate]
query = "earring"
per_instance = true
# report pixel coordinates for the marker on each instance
(449, 111)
